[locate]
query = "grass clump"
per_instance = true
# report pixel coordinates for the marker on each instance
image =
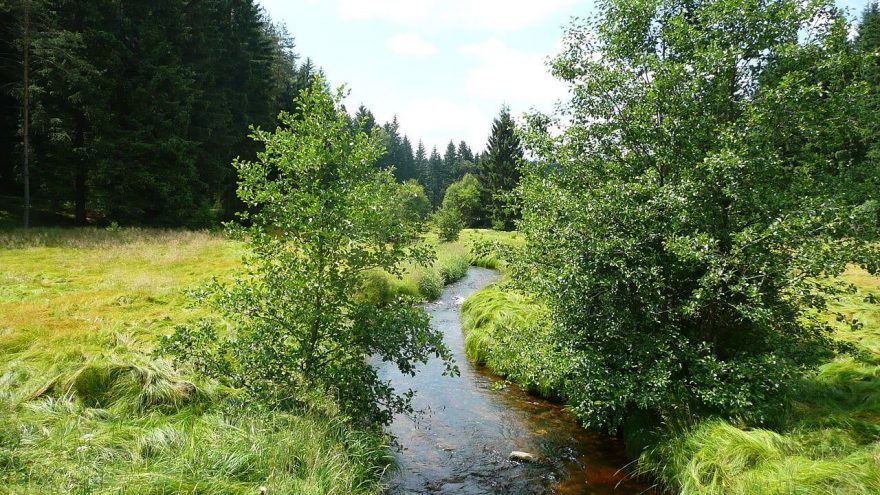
(85, 406)
(452, 263)
(507, 332)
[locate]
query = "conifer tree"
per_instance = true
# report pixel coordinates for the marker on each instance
(868, 38)
(499, 172)
(407, 167)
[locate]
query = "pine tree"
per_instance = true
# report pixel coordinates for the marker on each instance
(391, 139)
(421, 164)
(432, 178)
(868, 38)
(407, 164)
(365, 119)
(464, 152)
(499, 172)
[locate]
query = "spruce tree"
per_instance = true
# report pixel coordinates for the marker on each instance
(432, 177)
(499, 172)
(421, 164)
(407, 164)
(365, 119)
(464, 152)
(868, 38)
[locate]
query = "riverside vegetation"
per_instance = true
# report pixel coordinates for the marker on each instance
(828, 441)
(88, 407)
(701, 245)
(694, 269)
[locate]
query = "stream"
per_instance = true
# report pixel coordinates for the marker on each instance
(460, 441)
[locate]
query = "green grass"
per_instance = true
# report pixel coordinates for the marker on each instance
(85, 408)
(829, 442)
(507, 332)
(453, 260)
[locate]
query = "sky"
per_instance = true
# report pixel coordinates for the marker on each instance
(444, 67)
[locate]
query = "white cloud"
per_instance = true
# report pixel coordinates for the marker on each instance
(411, 43)
(437, 120)
(511, 75)
(497, 15)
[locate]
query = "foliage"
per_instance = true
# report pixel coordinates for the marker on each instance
(507, 332)
(499, 170)
(138, 111)
(463, 196)
(321, 217)
(828, 441)
(449, 223)
(679, 227)
(412, 201)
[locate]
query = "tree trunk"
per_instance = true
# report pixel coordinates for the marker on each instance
(26, 123)
(80, 192)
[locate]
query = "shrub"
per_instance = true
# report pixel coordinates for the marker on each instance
(449, 224)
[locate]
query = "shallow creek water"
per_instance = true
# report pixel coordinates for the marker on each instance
(461, 441)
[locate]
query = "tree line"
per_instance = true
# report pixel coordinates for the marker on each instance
(137, 109)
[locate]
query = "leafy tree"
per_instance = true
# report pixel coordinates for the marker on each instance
(499, 172)
(683, 221)
(449, 222)
(463, 196)
(321, 217)
(412, 201)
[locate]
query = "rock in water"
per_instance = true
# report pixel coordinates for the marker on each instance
(516, 455)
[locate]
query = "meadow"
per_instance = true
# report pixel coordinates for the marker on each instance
(88, 407)
(828, 442)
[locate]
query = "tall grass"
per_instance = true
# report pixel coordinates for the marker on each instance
(507, 332)
(86, 408)
(452, 263)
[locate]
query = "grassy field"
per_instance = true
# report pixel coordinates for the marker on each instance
(829, 442)
(86, 407)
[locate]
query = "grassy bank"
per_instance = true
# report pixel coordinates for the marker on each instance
(86, 408)
(828, 443)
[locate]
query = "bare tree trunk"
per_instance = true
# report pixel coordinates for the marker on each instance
(26, 124)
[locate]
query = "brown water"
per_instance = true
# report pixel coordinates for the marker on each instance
(461, 441)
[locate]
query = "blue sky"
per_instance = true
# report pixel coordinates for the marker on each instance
(444, 67)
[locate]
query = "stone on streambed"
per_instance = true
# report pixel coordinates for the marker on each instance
(517, 455)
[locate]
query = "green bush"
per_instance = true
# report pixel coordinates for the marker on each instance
(463, 196)
(449, 224)
(430, 283)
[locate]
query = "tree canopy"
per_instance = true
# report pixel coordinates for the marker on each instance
(708, 178)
